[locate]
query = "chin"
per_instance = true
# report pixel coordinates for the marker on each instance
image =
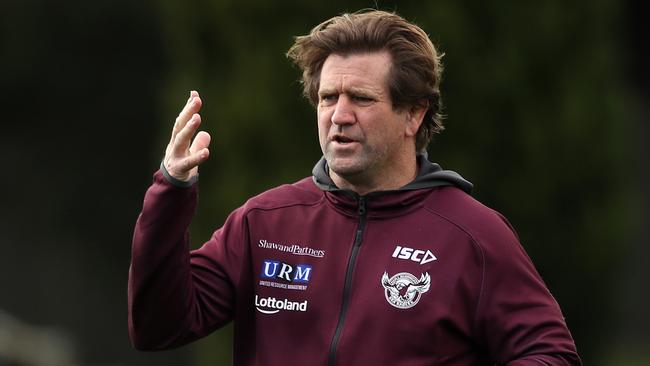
(346, 168)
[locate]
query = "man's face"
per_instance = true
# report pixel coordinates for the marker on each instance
(361, 136)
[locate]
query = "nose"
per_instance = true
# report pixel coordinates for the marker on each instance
(343, 111)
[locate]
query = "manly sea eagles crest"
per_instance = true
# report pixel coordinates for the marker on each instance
(404, 290)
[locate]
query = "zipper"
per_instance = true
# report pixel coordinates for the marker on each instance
(331, 360)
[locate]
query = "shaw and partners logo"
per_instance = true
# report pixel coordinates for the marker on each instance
(293, 249)
(271, 305)
(292, 277)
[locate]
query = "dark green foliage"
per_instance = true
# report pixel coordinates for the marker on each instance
(538, 117)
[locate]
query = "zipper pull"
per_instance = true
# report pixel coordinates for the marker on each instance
(362, 206)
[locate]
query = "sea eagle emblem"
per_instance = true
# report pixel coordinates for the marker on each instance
(404, 290)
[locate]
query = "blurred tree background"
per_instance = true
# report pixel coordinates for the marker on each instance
(547, 108)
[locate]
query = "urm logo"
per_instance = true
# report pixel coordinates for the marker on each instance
(291, 273)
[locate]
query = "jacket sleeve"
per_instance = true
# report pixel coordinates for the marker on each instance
(176, 296)
(517, 318)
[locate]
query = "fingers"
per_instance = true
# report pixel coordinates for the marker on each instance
(192, 107)
(193, 93)
(194, 160)
(199, 152)
(181, 142)
(184, 154)
(187, 167)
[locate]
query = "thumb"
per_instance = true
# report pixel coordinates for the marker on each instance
(201, 141)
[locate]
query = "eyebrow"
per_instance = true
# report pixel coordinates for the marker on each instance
(351, 90)
(327, 91)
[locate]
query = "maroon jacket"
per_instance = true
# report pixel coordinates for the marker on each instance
(314, 275)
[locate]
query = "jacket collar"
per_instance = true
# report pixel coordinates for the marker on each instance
(381, 203)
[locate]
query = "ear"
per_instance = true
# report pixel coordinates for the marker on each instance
(415, 116)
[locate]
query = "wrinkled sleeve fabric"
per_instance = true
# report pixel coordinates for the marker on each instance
(176, 295)
(517, 318)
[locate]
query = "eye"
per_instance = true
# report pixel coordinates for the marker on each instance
(328, 99)
(362, 99)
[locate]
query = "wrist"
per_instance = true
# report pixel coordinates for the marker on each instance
(175, 181)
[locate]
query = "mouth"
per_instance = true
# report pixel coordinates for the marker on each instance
(342, 139)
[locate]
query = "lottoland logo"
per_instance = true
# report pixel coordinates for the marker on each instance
(271, 305)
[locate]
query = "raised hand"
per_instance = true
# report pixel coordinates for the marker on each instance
(184, 154)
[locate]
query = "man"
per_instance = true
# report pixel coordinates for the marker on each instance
(380, 258)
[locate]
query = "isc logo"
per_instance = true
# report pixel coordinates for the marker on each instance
(295, 273)
(415, 255)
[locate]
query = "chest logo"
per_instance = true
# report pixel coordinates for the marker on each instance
(416, 255)
(292, 248)
(271, 305)
(285, 276)
(290, 273)
(404, 290)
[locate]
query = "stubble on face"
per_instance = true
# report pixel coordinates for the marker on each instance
(361, 136)
(355, 166)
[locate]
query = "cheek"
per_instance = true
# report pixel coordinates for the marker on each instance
(385, 132)
(323, 123)
(324, 117)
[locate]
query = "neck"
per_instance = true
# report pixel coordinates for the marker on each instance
(384, 180)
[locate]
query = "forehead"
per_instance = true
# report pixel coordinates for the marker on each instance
(359, 70)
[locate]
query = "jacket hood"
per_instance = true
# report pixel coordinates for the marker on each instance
(429, 175)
